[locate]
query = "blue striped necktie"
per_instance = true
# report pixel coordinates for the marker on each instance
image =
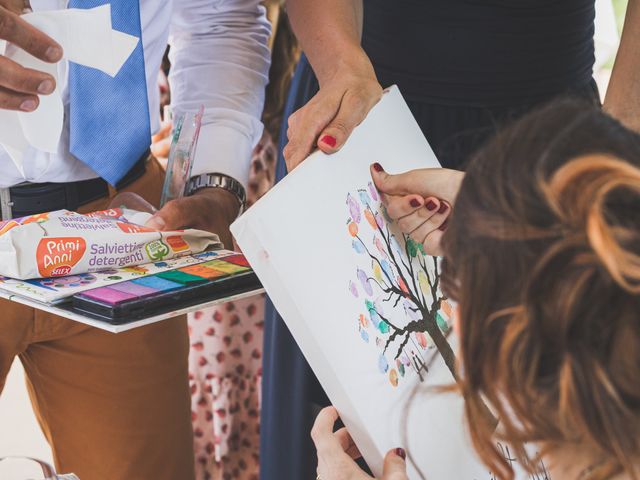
(109, 117)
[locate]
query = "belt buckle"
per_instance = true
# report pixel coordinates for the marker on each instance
(6, 204)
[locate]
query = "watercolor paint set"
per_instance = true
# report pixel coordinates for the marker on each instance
(166, 291)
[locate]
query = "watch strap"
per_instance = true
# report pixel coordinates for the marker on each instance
(218, 180)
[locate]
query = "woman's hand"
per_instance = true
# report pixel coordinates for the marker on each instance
(420, 201)
(327, 120)
(336, 453)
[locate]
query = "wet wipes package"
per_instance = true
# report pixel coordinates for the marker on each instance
(65, 243)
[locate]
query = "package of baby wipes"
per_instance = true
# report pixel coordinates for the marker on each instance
(65, 243)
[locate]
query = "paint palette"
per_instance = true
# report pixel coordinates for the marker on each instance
(167, 291)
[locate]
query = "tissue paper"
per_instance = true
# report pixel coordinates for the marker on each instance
(87, 38)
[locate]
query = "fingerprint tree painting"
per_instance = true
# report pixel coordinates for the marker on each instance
(403, 314)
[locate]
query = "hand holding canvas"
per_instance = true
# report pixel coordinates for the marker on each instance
(336, 453)
(420, 201)
(19, 86)
(209, 209)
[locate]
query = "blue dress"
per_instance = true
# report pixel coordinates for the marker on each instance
(465, 67)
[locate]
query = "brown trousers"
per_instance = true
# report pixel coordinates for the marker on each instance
(113, 407)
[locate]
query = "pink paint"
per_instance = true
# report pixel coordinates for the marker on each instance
(133, 288)
(108, 295)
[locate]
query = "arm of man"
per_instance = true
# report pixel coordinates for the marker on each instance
(330, 33)
(220, 58)
(19, 86)
(623, 95)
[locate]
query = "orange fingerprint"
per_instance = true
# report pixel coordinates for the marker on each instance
(353, 229)
(371, 219)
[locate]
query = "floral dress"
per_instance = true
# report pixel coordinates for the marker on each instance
(225, 367)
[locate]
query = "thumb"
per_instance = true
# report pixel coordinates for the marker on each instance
(353, 110)
(391, 184)
(395, 467)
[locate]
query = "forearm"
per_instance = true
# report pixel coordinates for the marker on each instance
(623, 95)
(330, 32)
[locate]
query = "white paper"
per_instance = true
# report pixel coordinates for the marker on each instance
(87, 38)
(298, 242)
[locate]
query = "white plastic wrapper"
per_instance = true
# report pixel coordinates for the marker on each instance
(65, 243)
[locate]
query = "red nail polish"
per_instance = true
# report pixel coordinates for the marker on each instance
(414, 203)
(431, 206)
(329, 140)
(444, 226)
(401, 453)
(443, 208)
(377, 167)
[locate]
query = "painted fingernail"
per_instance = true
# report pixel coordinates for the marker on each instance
(414, 203)
(46, 87)
(377, 167)
(329, 140)
(443, 208)
(444, 226)
(431, 205)
(401, 453)
(53, 54)
(28, 105)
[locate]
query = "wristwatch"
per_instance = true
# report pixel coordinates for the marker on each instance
(218, 180)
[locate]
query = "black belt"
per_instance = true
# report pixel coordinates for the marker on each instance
(32, 198)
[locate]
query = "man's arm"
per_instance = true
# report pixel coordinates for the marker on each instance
(220, 59)
(623, 95)
(329, 32)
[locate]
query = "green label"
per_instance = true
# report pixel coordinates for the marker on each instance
(157, 250)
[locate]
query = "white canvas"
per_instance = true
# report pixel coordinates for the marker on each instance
(306, 241)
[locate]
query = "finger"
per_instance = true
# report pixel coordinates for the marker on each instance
(424, 182)
(422, 222)
(10, 100)
(430, 232)
(347, 443)
(25, 80)
(175, 215)
(402, 206)
(306, 125)
(395, 466)
(353, 110)
(322, 431)
(20, 33)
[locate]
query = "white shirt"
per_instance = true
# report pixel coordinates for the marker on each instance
(220, 58)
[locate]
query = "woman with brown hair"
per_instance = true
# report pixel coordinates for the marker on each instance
(542, 254)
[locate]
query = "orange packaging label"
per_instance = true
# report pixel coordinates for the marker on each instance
(133, 228)
(57, 256)
(177, 243)
(111, 213)
(8, 225)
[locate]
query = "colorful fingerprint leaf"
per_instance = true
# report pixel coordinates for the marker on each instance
(403, 285)
(386, 267)
(353, 288)
(383, 365)
(383, 327)
(442, 323)
(393, 377)
(425, 285)
(364, 335)
(374, 192)
(371, 219)
(379, 221)
(377, 321)
(377, 272)
(412, 248)
(381, 247)
(421, 338)
(354, 209)
(401, 369)
(353, 229)
(364, 281)
(358, 246)
(364, 197)
(364, 321)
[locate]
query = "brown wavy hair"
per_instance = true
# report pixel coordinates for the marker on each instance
(543, 256)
